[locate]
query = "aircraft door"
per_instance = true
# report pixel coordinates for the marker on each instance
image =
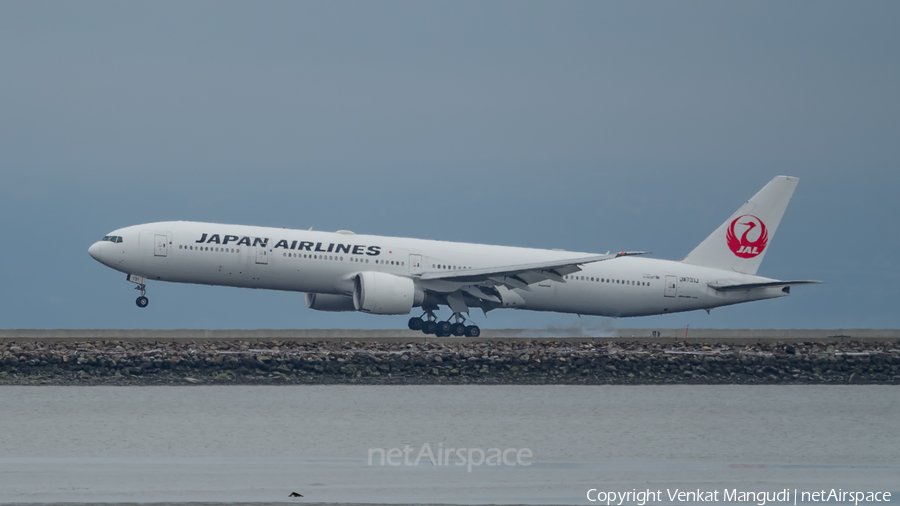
(415, 264)
(262, 254)
(671, 286)
(161, 245)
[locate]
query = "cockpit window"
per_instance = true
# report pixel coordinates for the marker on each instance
(112, 238)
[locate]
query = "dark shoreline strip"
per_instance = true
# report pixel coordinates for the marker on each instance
(531, 362)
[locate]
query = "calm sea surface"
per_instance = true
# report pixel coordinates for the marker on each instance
(259, 444)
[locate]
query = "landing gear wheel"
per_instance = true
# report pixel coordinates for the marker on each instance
(458, 329)
(142, 301)
(473, 331)
(443, 329)
(416, 323)
(429, 327)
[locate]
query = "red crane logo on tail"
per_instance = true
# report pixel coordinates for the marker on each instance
(745, 247)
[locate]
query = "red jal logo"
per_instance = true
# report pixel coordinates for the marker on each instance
(745, 247)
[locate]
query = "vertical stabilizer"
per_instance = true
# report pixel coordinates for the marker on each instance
(741, 242)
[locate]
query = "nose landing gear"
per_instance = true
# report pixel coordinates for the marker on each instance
(430, 325)
(142, 301)
(141, 283)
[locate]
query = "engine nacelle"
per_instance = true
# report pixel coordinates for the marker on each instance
(383, 293)
(329, 302)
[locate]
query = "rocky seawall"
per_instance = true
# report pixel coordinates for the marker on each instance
(114, 362)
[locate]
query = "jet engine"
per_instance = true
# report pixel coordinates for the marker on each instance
(329, 302)
(383, 293)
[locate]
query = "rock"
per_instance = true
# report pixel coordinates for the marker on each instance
(529, 362)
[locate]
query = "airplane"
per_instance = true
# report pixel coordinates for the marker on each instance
(344, 271)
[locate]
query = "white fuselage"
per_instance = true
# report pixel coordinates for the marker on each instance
(328, 262)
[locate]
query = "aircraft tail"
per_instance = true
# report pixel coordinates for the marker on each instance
(740, 243)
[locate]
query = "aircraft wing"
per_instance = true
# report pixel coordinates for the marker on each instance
(522, 275)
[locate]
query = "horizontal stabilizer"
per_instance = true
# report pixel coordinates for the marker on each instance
(750, 286)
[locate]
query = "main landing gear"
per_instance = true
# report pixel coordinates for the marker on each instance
(430, 325)
(142, 301)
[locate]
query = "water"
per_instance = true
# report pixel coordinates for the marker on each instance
(259, 444)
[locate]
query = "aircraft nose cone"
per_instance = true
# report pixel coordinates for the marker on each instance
(94, 251)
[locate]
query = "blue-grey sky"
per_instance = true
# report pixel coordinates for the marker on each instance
(588, 126)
